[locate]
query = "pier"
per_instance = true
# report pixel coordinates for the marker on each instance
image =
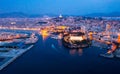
(8, 59)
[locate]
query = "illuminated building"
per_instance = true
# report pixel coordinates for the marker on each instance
(118, 39)
(60, 16)
(91, 35)
(76, 40)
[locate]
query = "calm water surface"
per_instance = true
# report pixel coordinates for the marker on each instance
(48, 56)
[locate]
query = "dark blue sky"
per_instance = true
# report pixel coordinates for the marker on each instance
(71, 7)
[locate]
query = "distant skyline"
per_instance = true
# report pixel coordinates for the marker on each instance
(66, 7)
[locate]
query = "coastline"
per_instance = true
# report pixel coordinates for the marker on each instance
(6, 63)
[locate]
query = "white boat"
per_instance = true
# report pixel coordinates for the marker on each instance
(31, 40)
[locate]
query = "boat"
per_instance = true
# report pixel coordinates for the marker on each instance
(32, 40)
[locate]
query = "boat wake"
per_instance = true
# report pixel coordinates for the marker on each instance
(56, 49)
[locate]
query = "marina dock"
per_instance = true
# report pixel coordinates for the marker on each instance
(9, 60)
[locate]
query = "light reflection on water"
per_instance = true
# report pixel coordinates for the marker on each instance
(76, 51)
(44, 34)
(54, 58)
(80, 52)
(59, 43)
(73, 51)
(60, 48)
(44, 37)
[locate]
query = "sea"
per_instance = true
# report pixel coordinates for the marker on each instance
(49, 56)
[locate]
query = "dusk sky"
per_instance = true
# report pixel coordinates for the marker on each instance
(71, 7)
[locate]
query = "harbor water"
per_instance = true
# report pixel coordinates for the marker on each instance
(49, 56)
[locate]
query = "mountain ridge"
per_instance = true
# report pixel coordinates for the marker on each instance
(24, 15)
